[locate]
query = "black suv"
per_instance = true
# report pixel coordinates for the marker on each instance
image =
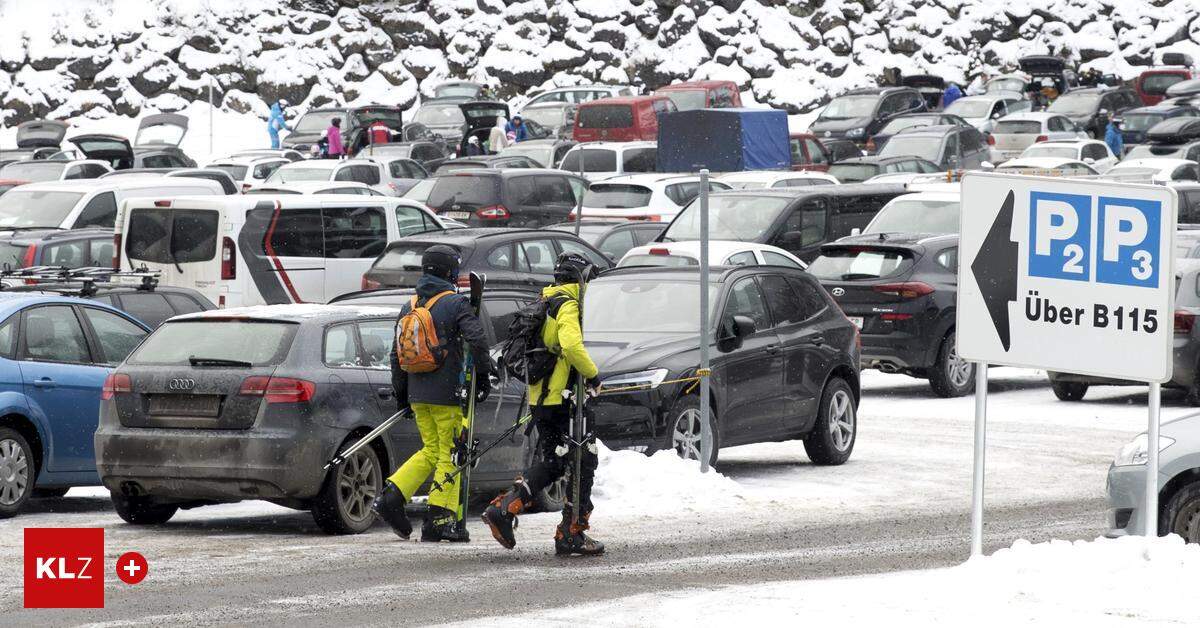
(784, 360)
(859, 169)
(512, 258)
(861, 113)
(509, 197)
(901, 290)
(1084, 106)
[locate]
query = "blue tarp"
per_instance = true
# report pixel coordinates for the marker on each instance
(723, 140)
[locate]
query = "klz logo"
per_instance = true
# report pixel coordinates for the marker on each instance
(1122, 251)
(64, 568)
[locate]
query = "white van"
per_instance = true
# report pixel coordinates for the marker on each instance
(88, 202)
(263, 250)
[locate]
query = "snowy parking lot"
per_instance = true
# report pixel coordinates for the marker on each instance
(901, 503)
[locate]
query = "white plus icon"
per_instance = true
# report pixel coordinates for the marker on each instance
(132, 568)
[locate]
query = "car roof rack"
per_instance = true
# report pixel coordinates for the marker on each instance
(84, 282)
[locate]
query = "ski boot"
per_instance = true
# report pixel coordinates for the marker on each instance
(570, 539)
(443, 525)
(389, 505)
(501, 514)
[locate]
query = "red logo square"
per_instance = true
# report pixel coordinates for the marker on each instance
(64, 567)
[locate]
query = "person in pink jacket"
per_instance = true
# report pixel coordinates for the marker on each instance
(333, 135)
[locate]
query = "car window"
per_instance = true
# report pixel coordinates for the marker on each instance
(341, 349)
(745, 299)
(776, 259)
(345, 174)
(536, 256)
(639, 159)
(52, 334)
(7, 340)
(808, 221)
(782, 300)
(816, 152)
(812, 296)
(682, 193)
(149, 307)
(377, 337)
(1189, 207)
(948, 259)
(571, 246)
(500, 314)
(264, 170)
(745, 258)
(926, 167)
(101, 211)
(1186, 173)
(616, 244)
(183, 304)
(555, 191)
(501, 257)
(367, 174)
(354, 232)
(797, 152)
(410, 220)
(117, 336)
(523, 191)
(74, 172)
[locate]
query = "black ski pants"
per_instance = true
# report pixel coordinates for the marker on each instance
(554, 428)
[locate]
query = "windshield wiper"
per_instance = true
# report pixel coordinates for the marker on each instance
(195, 361)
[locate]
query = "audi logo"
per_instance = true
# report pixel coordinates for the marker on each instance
(837, 292)
(181, 384)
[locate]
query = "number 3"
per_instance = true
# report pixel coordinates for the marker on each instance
(1074, 265)
(1144, 269)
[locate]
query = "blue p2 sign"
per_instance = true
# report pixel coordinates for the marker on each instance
(1126, 242)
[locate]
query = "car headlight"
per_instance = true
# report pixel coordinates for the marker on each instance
(649, 379)
(1135, 452)
(855, 132)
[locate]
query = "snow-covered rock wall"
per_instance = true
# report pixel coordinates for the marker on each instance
(98, 57)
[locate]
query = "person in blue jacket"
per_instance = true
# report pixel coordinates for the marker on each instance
(1112, 137)
(276, 122)
(951, 94)
(517, 129)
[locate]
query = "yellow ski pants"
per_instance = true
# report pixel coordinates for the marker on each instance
(438, 425)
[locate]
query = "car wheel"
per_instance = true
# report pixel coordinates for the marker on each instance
(951, 375)
(140, 511)
(683, 430)
(553, 497)
(17, 472)
(1068, 391)
(50, 493)
(344, 504)
(1182, 514)
(832, 437)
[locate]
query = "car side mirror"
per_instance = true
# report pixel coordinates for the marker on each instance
(790, 239)
(734, 330)
(855, 231)
(987, 165)
(997, 116)
(1089, 160)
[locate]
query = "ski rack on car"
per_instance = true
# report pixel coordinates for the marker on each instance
(83, 282)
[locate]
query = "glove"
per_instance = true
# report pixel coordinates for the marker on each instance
(593, 382)
(483, 388)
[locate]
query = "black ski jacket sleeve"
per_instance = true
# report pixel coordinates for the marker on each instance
(399, 380)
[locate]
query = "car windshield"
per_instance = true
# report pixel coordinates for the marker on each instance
(456, 90)
(440, 115)
(1018, 127)
(1140, 121)
(644, 306)
(594, 160)
(401, 257)
(12, 255)
(549, 117)
(541, 154)
(1075, 104)
(177, 342)
(305, 173)
(967, 108)
(927, 147)
(905, 215)
(1005, 85)
(849, 263)
(237, 172)
(853, 173)
(730, 217)
(33, 171)
(906, 122)
(36, 208)
(467, 191)
(316, 121)
(606, 117)
(617, 196)
(1041, 150)
(687, 99)
(844, 107)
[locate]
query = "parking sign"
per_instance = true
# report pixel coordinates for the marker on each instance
(1067, 275)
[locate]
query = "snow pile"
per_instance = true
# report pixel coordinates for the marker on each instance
(66, 59)
(630, 483)
(1106, 582)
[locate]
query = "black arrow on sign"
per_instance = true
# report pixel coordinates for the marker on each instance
(995, 269)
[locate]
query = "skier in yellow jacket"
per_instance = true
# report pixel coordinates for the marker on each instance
(563, 335)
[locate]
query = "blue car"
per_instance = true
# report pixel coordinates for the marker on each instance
(55, 355)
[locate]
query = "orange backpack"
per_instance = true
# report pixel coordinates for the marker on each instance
(417, 346)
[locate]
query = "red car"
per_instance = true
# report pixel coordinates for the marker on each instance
(808, 153)
(620, 119)
(1152, 85)
(702, 95)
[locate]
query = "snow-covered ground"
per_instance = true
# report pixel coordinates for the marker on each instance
(1107, 582)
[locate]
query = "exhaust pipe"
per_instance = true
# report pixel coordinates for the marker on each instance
(888, 367)
(131, 489)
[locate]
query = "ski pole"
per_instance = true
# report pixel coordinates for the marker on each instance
(478, 455)
(383, 427)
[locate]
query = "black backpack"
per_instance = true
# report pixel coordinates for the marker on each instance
(524, 355)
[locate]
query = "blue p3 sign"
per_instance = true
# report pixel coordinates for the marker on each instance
(1105, 239)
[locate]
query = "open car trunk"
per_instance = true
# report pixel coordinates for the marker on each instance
(1042, 65)
(162, 128)
(41, 134)
(113, 149)
(481, 116)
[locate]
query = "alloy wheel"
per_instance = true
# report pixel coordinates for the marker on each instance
(958, 370)
(1191, 529)
(357, 482)
(841, 420)
(685, 437)
(14, 472)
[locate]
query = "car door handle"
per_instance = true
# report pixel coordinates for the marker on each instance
(772, 349)
(44, 382)
(384, 393)
(816, 339)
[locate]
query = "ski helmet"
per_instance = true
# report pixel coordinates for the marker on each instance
(571, 267)
(440, 261)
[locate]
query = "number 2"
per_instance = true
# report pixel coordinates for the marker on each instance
(1074, 265)
(1144, 269)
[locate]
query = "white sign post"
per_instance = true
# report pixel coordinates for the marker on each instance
(1066, 275)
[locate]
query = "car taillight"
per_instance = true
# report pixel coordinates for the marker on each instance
(370, 284)
(116, 261)
(906, 289)
(1041, 138)
(162, 203)
(895, 317)
(228, 259)
(278, 389)
(1184, 321)
(991, 140)
(246, 187)
(115, 383)
(29, 257)
(571, 216)
(660, 251)
(493, 212)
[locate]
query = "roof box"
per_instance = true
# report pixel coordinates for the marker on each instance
(1186, 88)
(1175, 131)
(1177, 58)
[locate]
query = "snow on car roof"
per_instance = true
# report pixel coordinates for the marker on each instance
(292, 312)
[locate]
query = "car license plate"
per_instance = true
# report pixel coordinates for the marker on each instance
(185, 405)
(459, 215)
(857, 320)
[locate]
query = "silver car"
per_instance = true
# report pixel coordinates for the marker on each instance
(1178, 482)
